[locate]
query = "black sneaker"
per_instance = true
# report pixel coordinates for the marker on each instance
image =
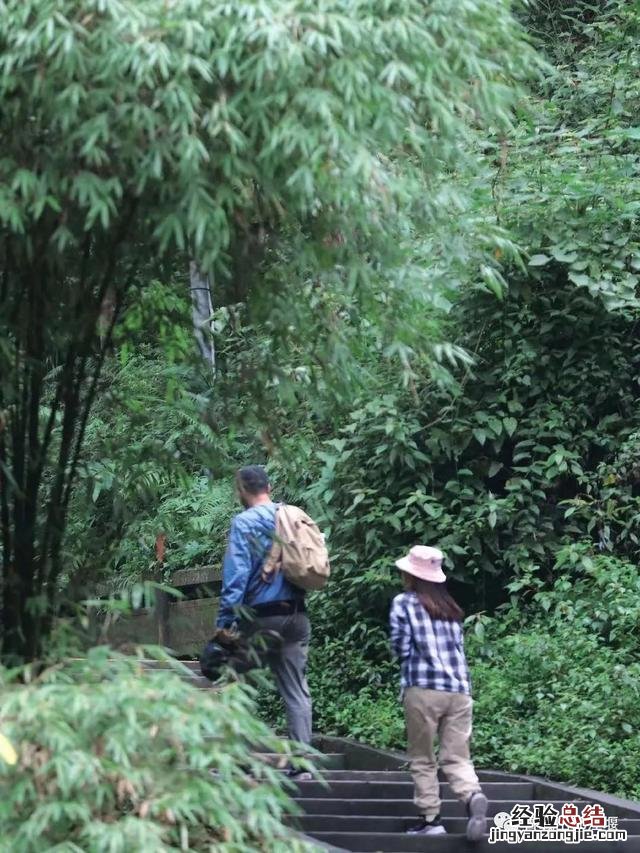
(428, 827)
(477, 805)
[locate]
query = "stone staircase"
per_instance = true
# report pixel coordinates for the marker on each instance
(357, 809)
(191, 675)
(364, 802)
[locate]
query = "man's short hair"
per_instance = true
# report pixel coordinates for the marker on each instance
(253, 479)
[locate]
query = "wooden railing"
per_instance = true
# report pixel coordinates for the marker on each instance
(182, 624)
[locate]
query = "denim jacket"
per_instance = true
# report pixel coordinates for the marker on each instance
(250, 540)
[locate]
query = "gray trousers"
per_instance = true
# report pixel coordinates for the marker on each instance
(289, 666)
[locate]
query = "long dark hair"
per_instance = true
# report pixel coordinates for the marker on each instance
(435, 598)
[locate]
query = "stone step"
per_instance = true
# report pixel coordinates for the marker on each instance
(387, 790)
(372, 842)
(405, 776)
(192, 676)
(402, 808)
(193, 665)
(331, 761)
(370, 810)
(274, 759)
(150, 663)
(199, 681)
(194, 680)
(313, 824)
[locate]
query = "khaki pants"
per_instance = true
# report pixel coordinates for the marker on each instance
(448, 715)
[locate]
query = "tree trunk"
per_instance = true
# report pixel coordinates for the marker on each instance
(59, 327)
(202, 313)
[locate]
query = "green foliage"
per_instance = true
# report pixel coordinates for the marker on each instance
(143, 474)
(115, 758)
(194, 514)
(489, 470)
(559, 705)
(351, 697)
(513, 447)
(568, 182)
(257, 113)
(143, 133)
(148, 464)
(556, 683)
(596, 595)
(610, 504)
(532, 445)
(559, 24)
(363, 197)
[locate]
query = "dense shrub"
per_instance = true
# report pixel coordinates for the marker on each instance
(487, 470)
(560, 704)
(148, 468)
(352, 696)
(114, 758)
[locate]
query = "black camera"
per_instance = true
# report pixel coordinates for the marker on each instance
(238, 652)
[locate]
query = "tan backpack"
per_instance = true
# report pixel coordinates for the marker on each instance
(298, 550)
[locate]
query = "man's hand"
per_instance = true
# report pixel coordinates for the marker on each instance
(228, 638)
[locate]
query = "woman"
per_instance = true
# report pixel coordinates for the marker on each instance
(426, 636)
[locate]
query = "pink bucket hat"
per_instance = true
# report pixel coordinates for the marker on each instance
(423, 562)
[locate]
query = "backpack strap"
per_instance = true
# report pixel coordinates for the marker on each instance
(273, 562)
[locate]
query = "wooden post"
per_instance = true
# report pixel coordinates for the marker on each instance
(161, 605)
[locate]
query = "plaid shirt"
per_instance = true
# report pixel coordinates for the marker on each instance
(431, 651)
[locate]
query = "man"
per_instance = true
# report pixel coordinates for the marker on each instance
(277, 605)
